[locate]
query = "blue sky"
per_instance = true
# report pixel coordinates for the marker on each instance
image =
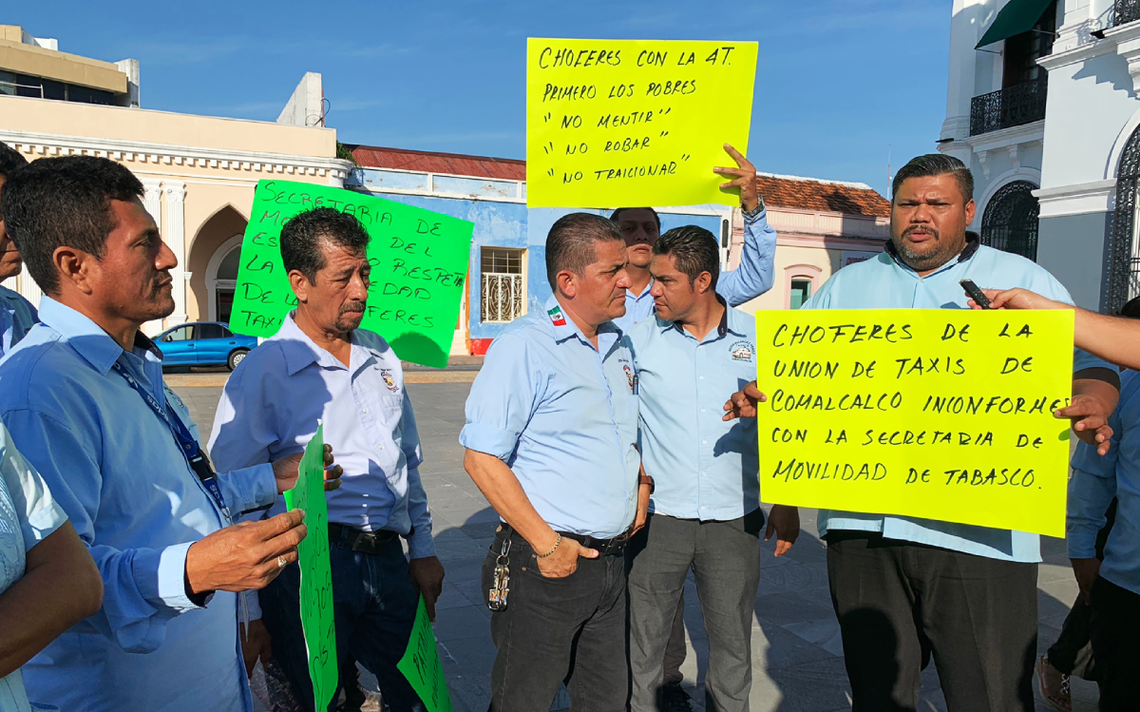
(839, 82)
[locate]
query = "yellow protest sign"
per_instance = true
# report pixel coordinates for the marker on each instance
(625, 122)
(934, 413)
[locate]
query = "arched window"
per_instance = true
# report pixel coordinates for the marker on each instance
(1010, 221)
(1123, 261)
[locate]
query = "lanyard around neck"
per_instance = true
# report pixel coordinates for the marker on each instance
(190, 448)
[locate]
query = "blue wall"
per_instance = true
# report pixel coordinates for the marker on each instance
(499, 224)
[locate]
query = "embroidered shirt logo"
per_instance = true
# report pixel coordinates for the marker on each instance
(742, 351)
(556, 317)
(389, 380)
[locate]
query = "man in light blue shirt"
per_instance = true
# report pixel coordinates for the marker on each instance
(17, 315)
(1112, 588)
(321, 367)
(551, 440)
(705, 506)
(899, 584)
(640, 227)
(48, 581)
(83, 395)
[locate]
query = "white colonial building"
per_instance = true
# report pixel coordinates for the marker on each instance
(1042, 104)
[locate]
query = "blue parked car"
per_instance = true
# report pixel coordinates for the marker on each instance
(206, 343)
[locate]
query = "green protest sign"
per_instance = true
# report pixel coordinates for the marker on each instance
(419, 267)
(422, 667)
(316, 576)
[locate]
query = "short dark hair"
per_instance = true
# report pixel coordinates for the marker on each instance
(1131, 309)
(10, 159)
(63, 202)
(693, 249)
(936, 164)
(617, 215)
(570, 243)
(304, 234)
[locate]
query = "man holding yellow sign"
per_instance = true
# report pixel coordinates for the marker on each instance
(905, 587)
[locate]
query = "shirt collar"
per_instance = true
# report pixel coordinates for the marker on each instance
(971, 248)
(565, 328)
(89, 339)
(300, 351)
(637, 297)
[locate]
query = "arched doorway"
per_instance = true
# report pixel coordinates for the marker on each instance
(1123, 260)
(1010, 221)
(212, 243)
(221, 279)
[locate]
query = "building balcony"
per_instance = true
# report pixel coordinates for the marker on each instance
(1013, 106)
(1125, 11)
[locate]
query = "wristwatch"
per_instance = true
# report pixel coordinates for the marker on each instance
(646, 480)
(749, 214)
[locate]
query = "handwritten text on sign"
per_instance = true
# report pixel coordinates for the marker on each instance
(936, 413)
(316, 575)
(622, 122)
(419, 265)
(421, 665)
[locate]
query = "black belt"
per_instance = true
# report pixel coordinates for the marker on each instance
(604, 547)
(362, 541)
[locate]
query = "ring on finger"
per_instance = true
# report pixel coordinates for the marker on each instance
(281, 562)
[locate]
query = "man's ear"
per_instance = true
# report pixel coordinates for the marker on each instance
(300, 285)
(971, 208)
(567, 283)
(702, 283)
(74, 268)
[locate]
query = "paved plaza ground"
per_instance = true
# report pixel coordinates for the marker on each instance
(797, 655)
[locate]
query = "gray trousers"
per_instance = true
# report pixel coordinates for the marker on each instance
(725, 559)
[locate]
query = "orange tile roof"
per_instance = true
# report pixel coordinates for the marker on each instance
(830, 196)
(778, 191)
(432, 162)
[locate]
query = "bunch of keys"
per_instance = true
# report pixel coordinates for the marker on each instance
(497, 596)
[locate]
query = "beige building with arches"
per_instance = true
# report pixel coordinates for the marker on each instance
(198, 172)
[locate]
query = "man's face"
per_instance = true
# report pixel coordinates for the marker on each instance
(601, 288)
(133, 280)
(673, 294)
(10, 261)
(929, 217)
(639, 228)
(336, 303)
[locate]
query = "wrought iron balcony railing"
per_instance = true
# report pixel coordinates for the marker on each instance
(1013, 106)
(1125, 11)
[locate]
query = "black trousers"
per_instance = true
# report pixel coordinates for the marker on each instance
(1114, 626)
(557, 630)
(899, 603)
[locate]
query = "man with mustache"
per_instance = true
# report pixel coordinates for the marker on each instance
(321, 366)
(83, 396)
(17, 315)
(907, 589)
(551, 440)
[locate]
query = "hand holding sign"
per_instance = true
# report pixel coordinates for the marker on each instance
(287, 469)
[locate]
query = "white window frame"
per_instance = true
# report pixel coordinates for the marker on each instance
(514, 284)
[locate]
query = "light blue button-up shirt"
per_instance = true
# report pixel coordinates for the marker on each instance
(563, 416)
(28, 514)
(116, 470)
(1096, 480)
(884, 282)
(751, 279)
(17, 317)
(270, 408)
(702, 467)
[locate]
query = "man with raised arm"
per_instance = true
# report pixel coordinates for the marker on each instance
(551, 440)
